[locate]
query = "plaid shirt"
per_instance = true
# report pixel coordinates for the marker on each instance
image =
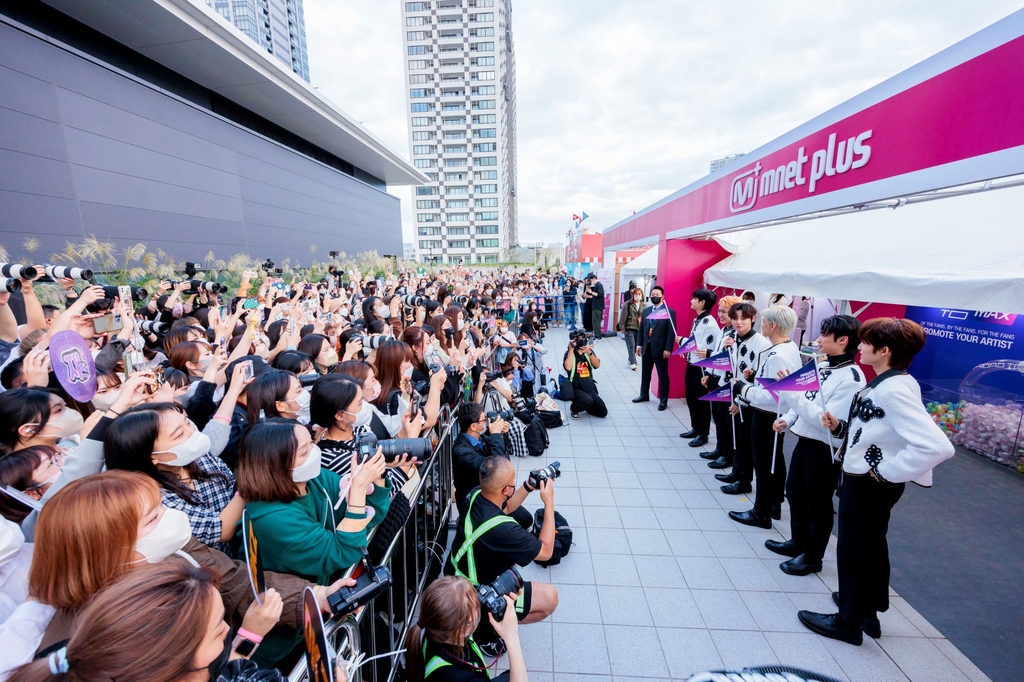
(211, 496)
(336, 455)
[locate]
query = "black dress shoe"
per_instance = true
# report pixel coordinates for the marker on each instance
(800, 566)
(698, 441)
(777, 512)
(662, 407)
(689, 434)
(641, 399)
(832, 626)
(727, 478)
(786, 548)
(710, 455)
(736, 488)
(870, 625)
(720, 463)
(750, 518)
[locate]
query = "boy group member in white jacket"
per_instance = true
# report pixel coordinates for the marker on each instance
(706, 335)
(777, 323)
(888, 440)
(813, 471)
(724, 452)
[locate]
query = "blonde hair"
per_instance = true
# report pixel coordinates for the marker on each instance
(782, 317)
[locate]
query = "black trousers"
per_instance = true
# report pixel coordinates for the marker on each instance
(743, 458)
(590, 403)
(810, 486)
(771, 487)
(597, 314)
(863, 552)
(647, 364)
(723, 430)
(700, 410)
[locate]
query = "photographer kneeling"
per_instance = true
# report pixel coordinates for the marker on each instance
(488, 541)
(580, 362)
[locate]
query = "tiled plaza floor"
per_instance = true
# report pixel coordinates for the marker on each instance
(661, 583)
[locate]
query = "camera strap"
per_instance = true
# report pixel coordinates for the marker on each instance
(472, 535)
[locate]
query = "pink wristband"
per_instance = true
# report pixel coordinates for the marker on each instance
(252, 637)
(226, 420)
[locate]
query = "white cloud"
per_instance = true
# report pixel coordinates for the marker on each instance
(621, 103)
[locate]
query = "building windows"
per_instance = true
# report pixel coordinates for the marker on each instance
(458, 244)
(485, 147)
(432, 177)
(420, 63)
(417, 78)
(417, 35)
(430, 243)
(487, 243)
(430, 231)
(476, 47)
(461, 106)
(425, 163)
(428, 203)
(485, 16)
(421, 107)
(417, 7)
(456, 163)
(485, 118)
(482, 76)
(481, 32)
(486, 161)
(486, 203)
(428, 217)
(487, 189)
(421, 121)
(448, 121)
(485, 132)
(454, 177)
(483, 90)
(455, 135)
(457, 203)
(482, 61)
(481, 3)
(452, 231)
(483, 104)
(426, 191)
(486, 229)
(487, 215)
(420, 135)
(459, 190)
(455, 149)
(416, 21)
(422, 49)
(458, 217)
(419, 93)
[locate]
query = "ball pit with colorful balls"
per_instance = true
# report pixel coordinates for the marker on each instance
(994, 431)
(946, 415)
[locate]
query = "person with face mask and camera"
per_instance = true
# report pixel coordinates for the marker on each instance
(579, 362)
(489, 541)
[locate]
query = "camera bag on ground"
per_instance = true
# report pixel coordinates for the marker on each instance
(548, 411)
(565, 389)
(536, 435)
(563, 537)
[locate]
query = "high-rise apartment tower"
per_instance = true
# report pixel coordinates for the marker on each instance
(278, 26)
(460, 68)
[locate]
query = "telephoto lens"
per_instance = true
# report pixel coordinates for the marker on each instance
(492, 596)
(507, 415)
(551, 471)
(138, 293)
(11, 285)
(65, 272)
(493, 376)
(373, 341)
(460, 299)
(412, 300)
(371, 583)
(417, 448)
(209, 287)
(17, 271)
(153, 327)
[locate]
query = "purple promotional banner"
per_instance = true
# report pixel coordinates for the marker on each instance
(804, 379)
(660, 313)
(767, 383)
(721, 395)
(720, 361)
(687, 346)
(73, 365)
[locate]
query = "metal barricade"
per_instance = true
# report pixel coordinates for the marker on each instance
(414, 558)
(556, 309)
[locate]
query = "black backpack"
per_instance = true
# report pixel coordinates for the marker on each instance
(536, 435)
(563, 537)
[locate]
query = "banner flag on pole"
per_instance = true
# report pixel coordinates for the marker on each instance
(721, 395)
(804, 379)
(768, 386)
(576, 218)
(687, 346)
(585, 216)
(720, 361)
(659, 313)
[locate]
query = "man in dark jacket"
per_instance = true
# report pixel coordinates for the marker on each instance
(595, 294)
(655, 341)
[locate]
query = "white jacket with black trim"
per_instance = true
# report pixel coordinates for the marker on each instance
(888, 431)
(706, 334)
(839, 385)
(784, 355)
(724, 375)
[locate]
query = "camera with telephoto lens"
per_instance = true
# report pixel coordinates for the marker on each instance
(434, 368)
(267, 265)
(550, 472)
(507, 415)
(393, 448)
(492, 596)
(191, 269)
(412, 300)
(495, 375)
(460, 299)
(138, 293)
(153, 327)
(580, 338)
(56, 272)
(10, 285)
(18, 271)
(373, 341)
(371, 583)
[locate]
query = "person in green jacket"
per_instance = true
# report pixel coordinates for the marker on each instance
(294, 505)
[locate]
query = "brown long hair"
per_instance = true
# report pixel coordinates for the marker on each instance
(390, 356)
(168, 605)
(449, 606)
(85, 536)
(437, 322)
(452, 313)
(414, 337)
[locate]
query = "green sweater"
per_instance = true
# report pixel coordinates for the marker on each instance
(299, 538)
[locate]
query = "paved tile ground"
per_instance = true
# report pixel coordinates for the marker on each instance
(661, 584)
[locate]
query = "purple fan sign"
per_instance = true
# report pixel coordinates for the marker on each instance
(73, 365)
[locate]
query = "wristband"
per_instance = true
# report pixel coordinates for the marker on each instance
(358, 517)
(220, 417)
(529, 488)
(251, 636)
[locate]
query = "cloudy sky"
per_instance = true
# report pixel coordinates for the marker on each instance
(622, 102)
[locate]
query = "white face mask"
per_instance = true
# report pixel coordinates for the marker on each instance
(309, 469)
(343, 312)
(170, 535)
(364, 415)
(106, 401)
(69, 423)
(383, 311)
(11, 540)
(407, 372)
(303, 400)
(197, 445)
(461, 325)
(367, 395)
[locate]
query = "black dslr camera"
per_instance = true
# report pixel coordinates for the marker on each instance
(551, 472)
(434, 368)
(493, 376)
(393, 448)
(507, 415)
(492, 596)
(581, 338)
(371, 583)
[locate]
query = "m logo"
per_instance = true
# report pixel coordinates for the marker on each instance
(743, 192)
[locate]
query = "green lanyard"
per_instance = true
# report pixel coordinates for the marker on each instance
(436, 663)
(471, 537)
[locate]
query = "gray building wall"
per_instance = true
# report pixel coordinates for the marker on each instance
(86, 150)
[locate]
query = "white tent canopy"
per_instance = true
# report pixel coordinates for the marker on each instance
(645, 265)
(964, 252)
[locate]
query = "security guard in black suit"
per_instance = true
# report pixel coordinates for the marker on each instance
(655, 340)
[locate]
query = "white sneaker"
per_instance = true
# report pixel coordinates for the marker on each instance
(634, 367)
